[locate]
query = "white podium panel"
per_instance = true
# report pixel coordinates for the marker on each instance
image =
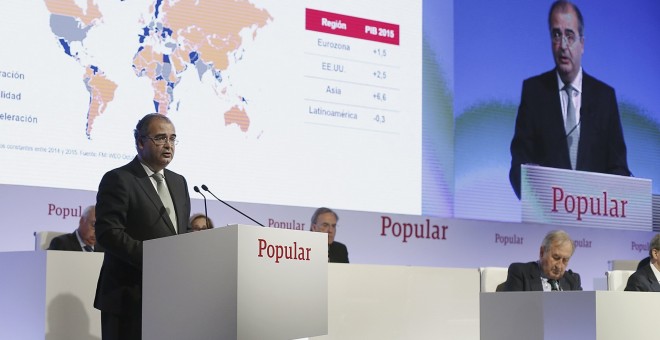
(396, 302)
(595, 315)
(236, 282)
(585, 199)
(49, 295)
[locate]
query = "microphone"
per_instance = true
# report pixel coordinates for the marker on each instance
(205, 188)
(206, 213)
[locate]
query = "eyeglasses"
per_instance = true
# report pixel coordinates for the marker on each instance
(326, 226)
(161, 140)
(569, 37)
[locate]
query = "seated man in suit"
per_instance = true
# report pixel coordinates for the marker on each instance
(549, 272)
(81, 239)
(325, 220)
(645, 279)
(643, 262)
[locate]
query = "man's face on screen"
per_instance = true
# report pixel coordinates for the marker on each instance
(554, 261)
(567, 43)
(326, 223)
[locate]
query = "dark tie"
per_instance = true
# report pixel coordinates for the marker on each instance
(88, 248)
(554, 285)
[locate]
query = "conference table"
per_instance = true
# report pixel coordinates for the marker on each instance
(49, 295)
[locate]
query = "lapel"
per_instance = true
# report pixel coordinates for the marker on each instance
(74, 240)
(144, 182)
(585, 123)
(176, 191)
(556, 121)
(654, 286)
(535, 277)
(563, 282)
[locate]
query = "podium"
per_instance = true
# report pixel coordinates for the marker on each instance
(235, 282)
(402, 302)
(585, 199)
(594, 315)
(49, 295)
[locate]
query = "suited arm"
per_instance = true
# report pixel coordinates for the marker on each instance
(635, 284)
(522, 144)
(56, 243)
(112, 206)
(579, 282)
(514, 280)
(574, 280)
(618, 159)
(341, 253)
(182, 201)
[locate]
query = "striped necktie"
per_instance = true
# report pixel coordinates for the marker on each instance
(554, 285)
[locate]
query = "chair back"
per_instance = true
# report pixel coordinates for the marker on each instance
(491, 277)
(623, 264)
(42, 238)
(617, 279)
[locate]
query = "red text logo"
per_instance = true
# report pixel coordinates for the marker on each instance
(406, 230)
(584, 205)
(279, 252)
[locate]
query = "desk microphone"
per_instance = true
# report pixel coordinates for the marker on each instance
(205, 188)
(206, 213)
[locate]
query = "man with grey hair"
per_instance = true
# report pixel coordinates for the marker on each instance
(81, 239)
(645, 279)
(324, 220)
(548, 273)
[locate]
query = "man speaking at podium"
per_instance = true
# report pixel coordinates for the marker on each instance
(136, 202)
(567, 119)
(549, 272)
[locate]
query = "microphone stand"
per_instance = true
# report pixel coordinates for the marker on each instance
(205, 188)
(206, 213)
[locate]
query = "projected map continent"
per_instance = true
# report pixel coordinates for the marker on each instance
(169, 43)
(255, 88)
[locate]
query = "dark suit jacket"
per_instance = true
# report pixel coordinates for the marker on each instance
(337, 252)
(540, 137)
(129, 211)
(527, 277)
(643, 280)
(644, 262)
(69, 242)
